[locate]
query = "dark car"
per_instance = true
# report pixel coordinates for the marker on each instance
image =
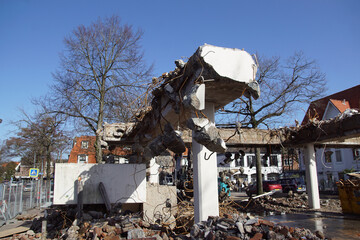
(292, 184)
(268, 186)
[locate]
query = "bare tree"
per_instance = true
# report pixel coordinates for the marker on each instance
(284, 87)
(38, 138)
(101, 77)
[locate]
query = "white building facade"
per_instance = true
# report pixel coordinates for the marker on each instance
(271, 166)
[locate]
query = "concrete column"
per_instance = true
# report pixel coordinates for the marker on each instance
(206, 201)
(311, 177)
(154, 171)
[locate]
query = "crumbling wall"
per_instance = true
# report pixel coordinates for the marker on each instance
(160, 205)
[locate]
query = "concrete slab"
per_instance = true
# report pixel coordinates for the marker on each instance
(124, 183)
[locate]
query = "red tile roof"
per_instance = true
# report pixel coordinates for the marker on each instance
(341, 105)
(317, 108)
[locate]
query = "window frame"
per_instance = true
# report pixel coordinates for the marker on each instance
(84, 144)
(338, 154)
(79, 156)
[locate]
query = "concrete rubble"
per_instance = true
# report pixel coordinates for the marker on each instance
(97, 225)
(240, 227)
(343, 129)
(295, 203)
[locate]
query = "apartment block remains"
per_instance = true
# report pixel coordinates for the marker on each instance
(187, 98)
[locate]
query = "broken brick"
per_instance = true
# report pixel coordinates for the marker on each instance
(266, 223)
(257, 236)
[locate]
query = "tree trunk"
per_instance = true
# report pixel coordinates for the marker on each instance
(258, 171)
(98, 148)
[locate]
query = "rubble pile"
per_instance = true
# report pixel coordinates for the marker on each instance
(290, 204)
(96, 225)
(278, 205)
(240, 227)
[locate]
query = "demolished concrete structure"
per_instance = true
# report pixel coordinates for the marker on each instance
(212, 75)
(188, 97)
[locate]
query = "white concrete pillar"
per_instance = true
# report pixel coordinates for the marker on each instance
(311, 177)
(206, 201)
(154, 171)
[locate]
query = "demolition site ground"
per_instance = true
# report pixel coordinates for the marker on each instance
(269, 217)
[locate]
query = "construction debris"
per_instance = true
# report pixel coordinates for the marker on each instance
(294, 203)
(240, 227)
(231, 225)
(342, 129)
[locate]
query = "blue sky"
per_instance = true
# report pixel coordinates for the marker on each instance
(32, 33)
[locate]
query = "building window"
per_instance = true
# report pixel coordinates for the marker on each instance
(82, 158)
(338, 156)
(120, 160)
(288, 162)
(250, 161)
(264, 161)
(84, 144)
(328, 156)
(273, 161)
(239, 162)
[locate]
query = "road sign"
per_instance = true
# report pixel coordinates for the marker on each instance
(34, 172)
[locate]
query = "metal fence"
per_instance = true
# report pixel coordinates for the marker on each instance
(17, 197)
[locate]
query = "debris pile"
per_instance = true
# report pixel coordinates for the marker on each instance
(96, 225)
(290, 204)
(279, 205)
(240, 227)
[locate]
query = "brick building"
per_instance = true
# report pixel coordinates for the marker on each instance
(83, 151)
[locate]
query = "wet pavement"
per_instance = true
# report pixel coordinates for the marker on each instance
(334, 227)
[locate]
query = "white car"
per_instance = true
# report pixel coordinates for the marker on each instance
(27, 187)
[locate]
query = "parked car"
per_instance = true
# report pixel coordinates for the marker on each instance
(27, 187)
(292, 184)
(268, 186)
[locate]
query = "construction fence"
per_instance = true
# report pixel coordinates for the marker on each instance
(19, 196)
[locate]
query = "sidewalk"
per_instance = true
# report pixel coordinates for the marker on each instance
(21, 223)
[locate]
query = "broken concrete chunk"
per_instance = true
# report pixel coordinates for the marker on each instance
(172, 140)
(195, 230)
(239, 65)
(180, 63)
(195, 98)
(168, 88)
(115, 131)
(240, 227)
(157, 146)
(253, 90)
(136, 233)
(197, 123)
(209, 137)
